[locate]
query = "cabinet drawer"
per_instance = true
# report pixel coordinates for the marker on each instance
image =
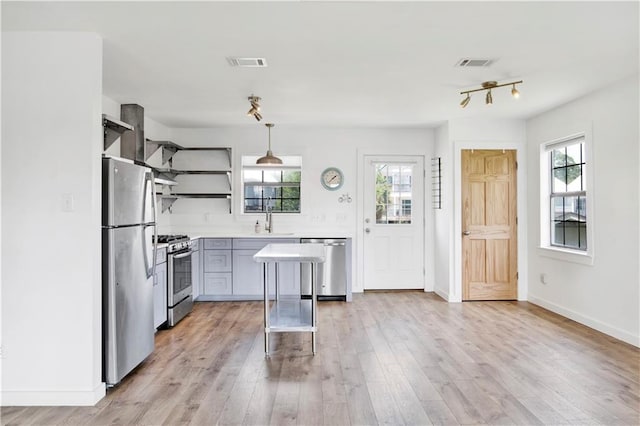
(217, 243)
(161, 255)
(259, 243)
(217, 261)
(217, 283)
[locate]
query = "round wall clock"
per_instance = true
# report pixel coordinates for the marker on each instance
(332, 178)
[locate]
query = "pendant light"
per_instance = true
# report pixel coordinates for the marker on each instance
(269, 158)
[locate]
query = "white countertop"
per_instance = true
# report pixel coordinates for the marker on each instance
(291, 253)
(295, 235)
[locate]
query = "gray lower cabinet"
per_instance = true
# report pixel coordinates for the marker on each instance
(160, 289)
(230, 273)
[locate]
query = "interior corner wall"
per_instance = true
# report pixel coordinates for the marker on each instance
(51, 198)
(443, 217)
(605, 295)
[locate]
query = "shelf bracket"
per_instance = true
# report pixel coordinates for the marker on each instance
(113, 129)
(167, 202)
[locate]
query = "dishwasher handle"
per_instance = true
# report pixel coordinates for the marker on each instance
(334, 244)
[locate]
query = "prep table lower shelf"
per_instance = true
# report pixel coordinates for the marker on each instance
(290, 314)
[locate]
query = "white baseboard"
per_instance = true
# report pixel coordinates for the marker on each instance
(442, 294)
(52, 398)
(588, 321)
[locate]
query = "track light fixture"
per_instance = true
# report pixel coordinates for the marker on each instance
(488, 85)
(255, 107)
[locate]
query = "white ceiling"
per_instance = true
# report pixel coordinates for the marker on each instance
(345, 63)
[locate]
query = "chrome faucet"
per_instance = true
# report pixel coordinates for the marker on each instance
(268, 224)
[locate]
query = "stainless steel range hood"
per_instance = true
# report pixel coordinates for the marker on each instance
(132, 144)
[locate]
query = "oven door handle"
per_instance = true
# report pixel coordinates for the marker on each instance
(180, 256)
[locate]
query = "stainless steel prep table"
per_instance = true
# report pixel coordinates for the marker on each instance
(290, 314)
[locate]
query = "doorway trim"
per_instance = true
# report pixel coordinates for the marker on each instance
(455, 295)
(429, 276)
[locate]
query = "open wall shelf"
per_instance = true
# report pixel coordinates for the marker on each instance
(167, 175)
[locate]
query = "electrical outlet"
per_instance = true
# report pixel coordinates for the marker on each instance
(67, 203)
(543, 279)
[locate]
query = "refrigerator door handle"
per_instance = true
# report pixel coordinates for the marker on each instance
(149, 186)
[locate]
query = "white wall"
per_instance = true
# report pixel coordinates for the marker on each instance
(605, 295)
(443, 217)
(320, 148)
(51, 276)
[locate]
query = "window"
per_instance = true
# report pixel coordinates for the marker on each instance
(393, 193)
(277, 188)
(566, 216)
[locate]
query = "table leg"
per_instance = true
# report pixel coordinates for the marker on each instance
(265, 273)
(314, 277)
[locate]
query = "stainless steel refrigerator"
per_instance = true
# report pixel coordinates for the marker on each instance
(128, 251)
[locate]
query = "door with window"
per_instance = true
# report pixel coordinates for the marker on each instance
(393, 222)
(489, 246)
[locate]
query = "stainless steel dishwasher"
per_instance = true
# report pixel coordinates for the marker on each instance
(332, 274)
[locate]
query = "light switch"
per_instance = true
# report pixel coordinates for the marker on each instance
(67, 203)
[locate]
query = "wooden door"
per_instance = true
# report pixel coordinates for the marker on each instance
(394, 222)
(489, 225)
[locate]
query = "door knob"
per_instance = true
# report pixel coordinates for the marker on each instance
(466, 233)
(367, 230)
(367, 220)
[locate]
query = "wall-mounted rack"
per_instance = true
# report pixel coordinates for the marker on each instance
(167, 175)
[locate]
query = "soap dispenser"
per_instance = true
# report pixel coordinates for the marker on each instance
(257, 228)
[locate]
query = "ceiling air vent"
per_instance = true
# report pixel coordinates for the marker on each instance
(473, 62)
(247, 62)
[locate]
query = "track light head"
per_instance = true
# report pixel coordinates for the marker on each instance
(465, 101)
(514, 92)
(489, 99)
(255, 107)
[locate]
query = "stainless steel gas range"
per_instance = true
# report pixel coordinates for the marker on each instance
(179, 277)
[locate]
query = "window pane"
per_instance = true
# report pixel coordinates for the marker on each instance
(393, 193)
(291, 176)
(574, 154)
(252, 175)
(291, 192)
(272, 175)
(559, 180)
(583, 236)
(252, 191)
(252, 205)
(558, 158)
(574, 182)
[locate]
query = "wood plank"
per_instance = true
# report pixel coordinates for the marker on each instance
(388, 357)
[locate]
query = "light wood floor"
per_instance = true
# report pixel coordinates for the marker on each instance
(386, 358)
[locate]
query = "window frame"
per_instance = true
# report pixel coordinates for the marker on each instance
(546, 247)
(290, 163)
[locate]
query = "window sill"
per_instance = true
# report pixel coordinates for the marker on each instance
(565, 255)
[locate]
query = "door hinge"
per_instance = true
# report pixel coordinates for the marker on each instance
(424, 272)
(517, 275)
(516, 220)
(516, 165)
